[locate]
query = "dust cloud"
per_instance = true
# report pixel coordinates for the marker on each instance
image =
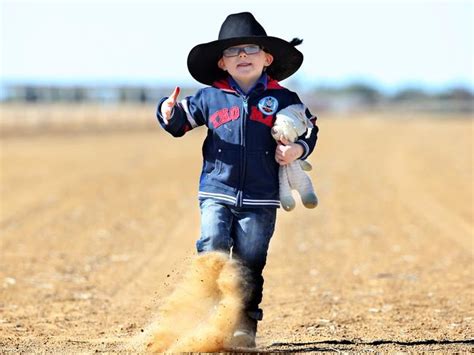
(203, 310)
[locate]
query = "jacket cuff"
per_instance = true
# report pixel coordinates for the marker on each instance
(305, 148)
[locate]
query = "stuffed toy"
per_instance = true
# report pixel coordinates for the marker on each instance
(291, 123)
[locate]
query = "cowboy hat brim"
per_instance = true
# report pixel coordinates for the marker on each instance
(203, 58)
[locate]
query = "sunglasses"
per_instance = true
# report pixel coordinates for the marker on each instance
(235, 51)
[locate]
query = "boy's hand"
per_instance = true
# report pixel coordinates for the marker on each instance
(286, 154)
(168, 105)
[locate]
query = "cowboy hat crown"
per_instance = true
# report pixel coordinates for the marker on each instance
(243, 28)
(240, 25)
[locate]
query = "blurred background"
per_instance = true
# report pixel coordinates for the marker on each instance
(403, 56)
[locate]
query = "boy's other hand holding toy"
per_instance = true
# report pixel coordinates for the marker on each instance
(287, 152)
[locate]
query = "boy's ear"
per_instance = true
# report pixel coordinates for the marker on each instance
(221, 64)
(268, 59)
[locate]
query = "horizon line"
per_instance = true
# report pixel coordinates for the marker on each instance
(190, 83)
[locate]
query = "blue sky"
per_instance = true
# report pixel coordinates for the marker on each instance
(388, 43)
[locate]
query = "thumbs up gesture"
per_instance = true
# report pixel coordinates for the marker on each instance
(168, 104)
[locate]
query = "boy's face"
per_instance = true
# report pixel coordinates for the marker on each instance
(245, 67)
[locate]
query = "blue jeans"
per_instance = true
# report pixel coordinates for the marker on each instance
(247, 232)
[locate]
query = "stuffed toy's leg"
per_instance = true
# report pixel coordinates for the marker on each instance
(301, 182)
(286, 199)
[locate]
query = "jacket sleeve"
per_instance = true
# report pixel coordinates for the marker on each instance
(187, 114)
(308, 140)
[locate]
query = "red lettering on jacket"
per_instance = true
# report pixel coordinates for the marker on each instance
(224, 115)
(256, 115)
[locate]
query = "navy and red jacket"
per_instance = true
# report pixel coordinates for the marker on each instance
(239, 166)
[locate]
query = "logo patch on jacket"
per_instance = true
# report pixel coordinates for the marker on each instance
(224, 115)
(268, 105)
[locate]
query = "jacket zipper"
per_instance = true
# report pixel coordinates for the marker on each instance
(239, 201)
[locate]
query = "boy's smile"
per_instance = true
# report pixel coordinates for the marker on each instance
(244, 67)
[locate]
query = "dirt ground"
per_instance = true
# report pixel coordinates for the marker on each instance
(97, 225)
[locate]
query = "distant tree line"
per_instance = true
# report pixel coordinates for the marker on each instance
(372, 94)
(49, 93)
(364, 96)
(350, 97)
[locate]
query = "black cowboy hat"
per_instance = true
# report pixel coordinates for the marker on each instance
(243, 28)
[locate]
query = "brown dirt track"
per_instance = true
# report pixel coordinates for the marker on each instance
(97, 225)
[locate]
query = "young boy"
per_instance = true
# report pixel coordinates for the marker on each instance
(238, 190)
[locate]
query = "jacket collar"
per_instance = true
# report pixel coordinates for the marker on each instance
(263, 83)
(260, 85)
